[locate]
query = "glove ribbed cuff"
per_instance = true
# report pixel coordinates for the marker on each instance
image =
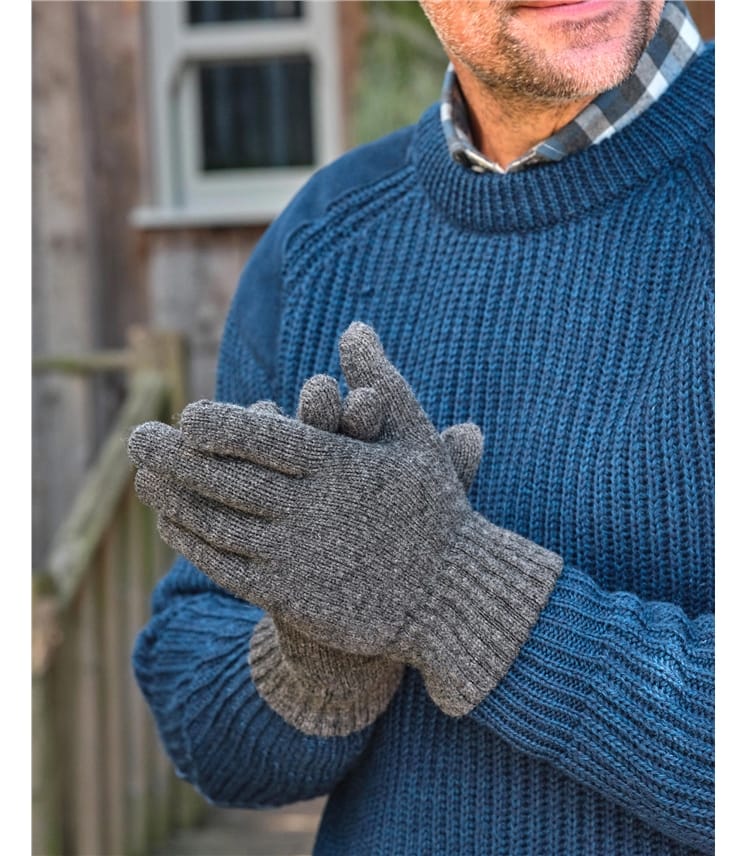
(317, 689)
(491, 587)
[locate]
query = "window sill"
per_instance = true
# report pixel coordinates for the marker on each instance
(152, 218)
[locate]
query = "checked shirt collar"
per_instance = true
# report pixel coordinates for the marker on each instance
(674, 44)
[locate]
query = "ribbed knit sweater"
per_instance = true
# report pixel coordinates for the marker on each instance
(568, 311)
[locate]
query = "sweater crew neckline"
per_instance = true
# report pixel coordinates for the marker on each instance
(548, 194)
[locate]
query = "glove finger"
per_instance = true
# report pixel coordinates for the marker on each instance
(319, 403)
(240, 484)
(144, 440)
(219, 525)
(253, 581)
(362, 414)
(364, 363)
(269, 440)
(464, 444)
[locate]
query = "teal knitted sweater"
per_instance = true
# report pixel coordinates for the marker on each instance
(568, 311)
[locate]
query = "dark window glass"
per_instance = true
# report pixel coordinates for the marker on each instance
(256, 114)
(220, 11)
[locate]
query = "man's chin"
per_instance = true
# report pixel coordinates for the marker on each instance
(583, 72)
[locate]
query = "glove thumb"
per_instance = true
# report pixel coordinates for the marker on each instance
(464, 445)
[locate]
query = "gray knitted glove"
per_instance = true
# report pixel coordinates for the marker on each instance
(287, 516)
(318, 689)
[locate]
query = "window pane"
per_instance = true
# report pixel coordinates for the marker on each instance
(222, 11)
(256, 114)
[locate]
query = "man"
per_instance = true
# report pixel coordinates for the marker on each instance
(476, 641)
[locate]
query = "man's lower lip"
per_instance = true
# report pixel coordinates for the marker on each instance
(562, 8)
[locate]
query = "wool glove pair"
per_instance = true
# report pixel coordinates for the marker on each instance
(371, 548)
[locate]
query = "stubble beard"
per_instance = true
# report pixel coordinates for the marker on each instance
(527, 74)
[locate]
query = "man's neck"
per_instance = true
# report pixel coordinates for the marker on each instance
(505, 125)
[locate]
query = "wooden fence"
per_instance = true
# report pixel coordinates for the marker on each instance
(101, 782)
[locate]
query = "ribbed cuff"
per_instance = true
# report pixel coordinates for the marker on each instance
(319, 690)
(490, 590)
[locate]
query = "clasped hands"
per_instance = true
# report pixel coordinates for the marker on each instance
(350, 523)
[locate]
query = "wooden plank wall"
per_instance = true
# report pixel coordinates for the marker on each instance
(88, 284)
(60, 276)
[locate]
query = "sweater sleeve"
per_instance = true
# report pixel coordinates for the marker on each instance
(618, 694)
(192, 659)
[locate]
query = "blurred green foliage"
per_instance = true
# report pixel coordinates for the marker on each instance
(401, 71)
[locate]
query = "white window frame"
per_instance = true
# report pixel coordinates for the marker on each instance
(183, 193)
